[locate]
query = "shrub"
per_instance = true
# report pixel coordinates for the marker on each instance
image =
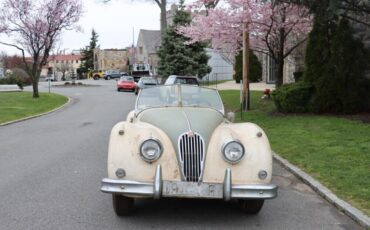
(22, 76)
(293, 98)
(255, 67)
(11, 80)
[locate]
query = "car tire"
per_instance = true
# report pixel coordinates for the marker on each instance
(107, 78)
(119, 90)
(251, 206)
(122, 205)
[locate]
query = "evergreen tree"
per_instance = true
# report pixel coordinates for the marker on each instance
(255, 67)
(179, 58)
(335, 66)
(87, 59)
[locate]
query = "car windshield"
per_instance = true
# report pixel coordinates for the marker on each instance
(178, 96)
(149, 81)
(186, 80)
(126, 78)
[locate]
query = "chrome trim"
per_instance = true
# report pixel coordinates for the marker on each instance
(158, 183)
(191, 155)
(127, 187)
(160, 153)
(223, 152)
(256, 191)
(154, 190)
(227, 185)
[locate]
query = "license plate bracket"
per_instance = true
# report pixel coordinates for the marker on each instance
(192, 190)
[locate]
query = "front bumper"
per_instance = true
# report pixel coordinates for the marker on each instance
(224, 190)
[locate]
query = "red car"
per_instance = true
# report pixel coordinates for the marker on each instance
(126, 83)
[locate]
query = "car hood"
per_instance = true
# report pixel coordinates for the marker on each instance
(176, 121)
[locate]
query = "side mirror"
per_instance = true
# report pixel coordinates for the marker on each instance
(231, 117)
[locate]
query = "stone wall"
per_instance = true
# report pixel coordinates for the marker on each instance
(111, 59)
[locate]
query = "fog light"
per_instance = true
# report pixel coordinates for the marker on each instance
(120, 173)
(262, 174)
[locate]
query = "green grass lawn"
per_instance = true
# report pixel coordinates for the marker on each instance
(336, 151)
(211, 83)
(17, 105)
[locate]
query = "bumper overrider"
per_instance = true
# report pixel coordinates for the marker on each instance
(160, 188)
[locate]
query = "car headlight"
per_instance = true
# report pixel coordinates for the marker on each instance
(233, 152)
(151, 150)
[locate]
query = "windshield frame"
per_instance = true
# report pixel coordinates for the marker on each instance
(178, 94)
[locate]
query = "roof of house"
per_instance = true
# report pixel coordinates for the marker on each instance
(151, 39)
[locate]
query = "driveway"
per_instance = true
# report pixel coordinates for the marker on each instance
(51, 167)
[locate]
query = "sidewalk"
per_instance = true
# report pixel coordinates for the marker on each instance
(10, 88)
(260, 86)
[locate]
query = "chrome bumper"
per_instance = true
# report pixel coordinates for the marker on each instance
(154, 190)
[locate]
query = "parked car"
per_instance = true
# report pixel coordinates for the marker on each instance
(112, 74)
(145, 82)
(50, 77)
(96, 74)
(126, 83)
(176, 79)
(187, 149)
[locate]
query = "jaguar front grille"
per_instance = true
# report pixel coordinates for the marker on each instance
(191, 150)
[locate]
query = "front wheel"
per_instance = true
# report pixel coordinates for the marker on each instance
(96, 77)
(251, 206)
(122, 205)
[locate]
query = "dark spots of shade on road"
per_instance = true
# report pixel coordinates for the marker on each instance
(87, 123)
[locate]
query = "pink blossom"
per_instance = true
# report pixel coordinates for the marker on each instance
(264, 20)
(35, 26)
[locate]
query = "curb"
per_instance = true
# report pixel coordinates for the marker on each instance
(326, 193)
(38, 115)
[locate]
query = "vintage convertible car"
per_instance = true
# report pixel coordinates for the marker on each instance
(178, 143)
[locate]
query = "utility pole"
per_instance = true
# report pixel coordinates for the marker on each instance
(245, 95)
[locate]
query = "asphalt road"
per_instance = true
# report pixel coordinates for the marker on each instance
(51, 167)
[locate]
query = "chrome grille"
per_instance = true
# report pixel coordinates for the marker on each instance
(191, 150)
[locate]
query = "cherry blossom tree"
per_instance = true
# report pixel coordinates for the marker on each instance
(274, 27)
(35, 26)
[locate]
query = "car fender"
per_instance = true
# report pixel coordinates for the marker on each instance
(257, 154)
(123, 152)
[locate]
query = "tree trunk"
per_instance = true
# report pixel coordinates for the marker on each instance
(163, 17)
(280, 60)
(35, 87)
(36, 71)
(279, 72)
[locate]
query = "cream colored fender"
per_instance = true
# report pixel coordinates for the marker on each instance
(123, 152)
(257, 154)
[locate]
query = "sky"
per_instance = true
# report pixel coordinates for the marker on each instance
(113, 21)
